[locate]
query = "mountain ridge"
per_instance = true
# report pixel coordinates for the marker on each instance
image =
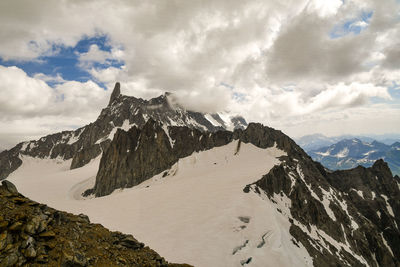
(320, 207)
(138, 154)
(349, 153)
(317, 141)
(87, 142)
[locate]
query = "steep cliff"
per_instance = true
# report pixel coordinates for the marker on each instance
(346, 217)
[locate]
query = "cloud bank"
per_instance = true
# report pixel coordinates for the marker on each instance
(300, 66)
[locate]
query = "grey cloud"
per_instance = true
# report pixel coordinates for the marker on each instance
(392, 60)
(190, 47)
(305, 51)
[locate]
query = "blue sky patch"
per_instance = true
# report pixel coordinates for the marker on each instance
(64, 62)
(394, 91)
(354, 26)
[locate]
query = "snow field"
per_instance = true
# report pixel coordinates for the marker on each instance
(193, 215)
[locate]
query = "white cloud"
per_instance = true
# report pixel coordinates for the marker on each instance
(342, 96)
(325, 8)
(48, 78)
(96, 55)
(76, 98)
(22, 95)
(278, 55)
(107, 75)
(30, 108)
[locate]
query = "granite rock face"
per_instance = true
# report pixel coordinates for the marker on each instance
(356, 211)
(122, 112)
(139, 154)
(9, 161)
(32, 234)
(115, 93)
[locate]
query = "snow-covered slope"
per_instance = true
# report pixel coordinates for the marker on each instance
(197, 214)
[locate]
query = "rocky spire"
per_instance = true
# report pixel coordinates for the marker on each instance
(116, 92)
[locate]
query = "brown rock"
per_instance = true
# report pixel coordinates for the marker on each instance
(10, 187)
(47, 234)
(15, 226)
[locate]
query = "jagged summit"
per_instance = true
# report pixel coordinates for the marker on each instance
(122, 112)
(115, 93)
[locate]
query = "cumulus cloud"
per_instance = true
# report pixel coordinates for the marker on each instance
(279, 58)
(107, 75)
(21, 94)
(50, 78)
(29, 108)
(392, 57)
(304, 50)
(96, 55)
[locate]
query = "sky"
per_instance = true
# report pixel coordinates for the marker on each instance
(301, 66)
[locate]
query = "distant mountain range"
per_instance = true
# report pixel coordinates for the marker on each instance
(317, 141)
(349, 153)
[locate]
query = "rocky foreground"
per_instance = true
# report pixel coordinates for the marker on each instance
(33, 234)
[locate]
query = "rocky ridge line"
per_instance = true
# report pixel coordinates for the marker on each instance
(140, 153)
(88, 142)
(342, 218)
(349, 153)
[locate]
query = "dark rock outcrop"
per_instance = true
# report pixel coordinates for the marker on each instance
(9, 161)
(264, 137)
(375, 193)
(32, 234)
(329, 203)
(139, 154)
(115, 93)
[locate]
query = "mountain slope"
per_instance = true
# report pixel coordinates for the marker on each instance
(256, 190)
(328, 216)
(200, 201)
(139, 154)
(86, 143)
(322, 217)
(350, 153)
(33, 234)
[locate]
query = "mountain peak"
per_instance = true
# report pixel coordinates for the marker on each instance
(381, 166)
(115, 93)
